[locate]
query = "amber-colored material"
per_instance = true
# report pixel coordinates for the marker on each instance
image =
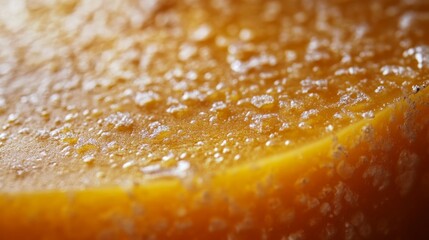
(214, 119)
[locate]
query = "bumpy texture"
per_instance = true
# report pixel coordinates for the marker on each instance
(246, 119)
(100, 94)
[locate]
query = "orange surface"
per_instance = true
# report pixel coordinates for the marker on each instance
(370, 181)
(208, 120)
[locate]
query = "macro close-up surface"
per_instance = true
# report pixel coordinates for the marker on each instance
(220, 119)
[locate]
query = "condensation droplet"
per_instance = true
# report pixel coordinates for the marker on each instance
(88, 159)
(146, 98)
(262, 101)
(202, 33)
(128, 164)
(120, 121)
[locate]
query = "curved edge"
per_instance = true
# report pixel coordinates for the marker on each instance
(275, 193)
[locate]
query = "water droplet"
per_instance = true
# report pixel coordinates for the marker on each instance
(146, 98)
(265, 123)
(177, 110)
(270, 143)
(307, 114)
(88, 159)
(157, 170)
(398, 71)
(12, 118)
(69, 117)
(157, 130)
(379, 89)
(187, 51)
(150, 169)
(420, 54)
(202, 33)
(168, 157)
(416, 88)
(24, 131)
(3, 137)
(218, 106)
(183, 155)
(120, 121)
(262, 101)
(193, 95)
(128, 164)
(191, 75)
(246, 34)
(368, 115)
